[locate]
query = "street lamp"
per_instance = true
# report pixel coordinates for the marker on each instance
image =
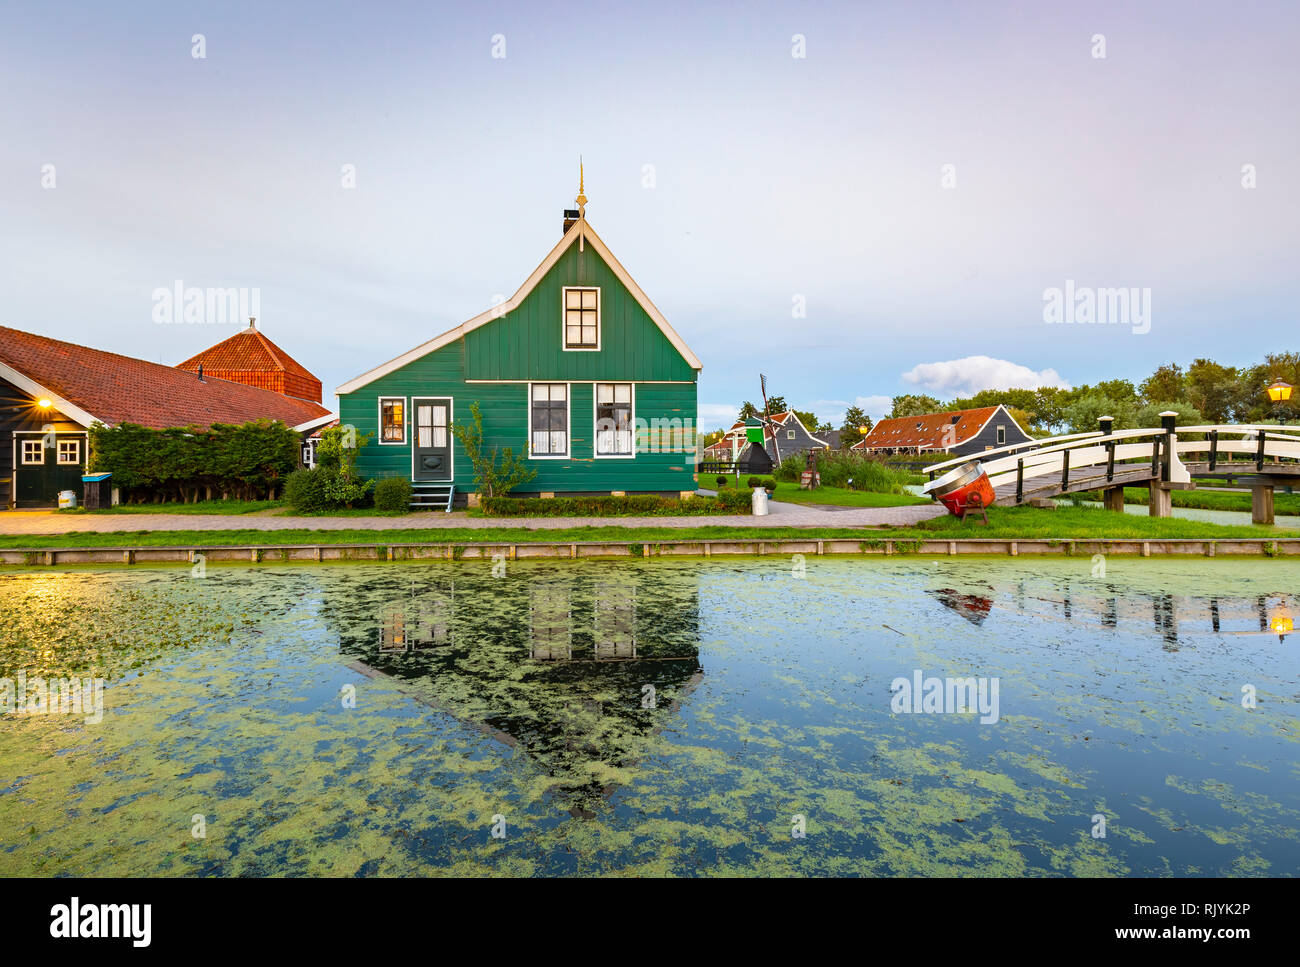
(44, 404)
(1279, 391)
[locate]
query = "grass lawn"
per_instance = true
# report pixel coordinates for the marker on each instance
(224, 507)
(1210, 499)
(843, 497)
(1022, 523)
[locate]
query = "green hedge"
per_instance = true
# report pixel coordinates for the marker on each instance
(324, 489)
(637, 505)
(393, 494)
(249, 461)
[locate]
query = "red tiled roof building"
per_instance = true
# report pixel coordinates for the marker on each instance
(250, 358)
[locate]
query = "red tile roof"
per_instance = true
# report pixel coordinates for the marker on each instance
(121, 389)
(249, 357)
(926, 431)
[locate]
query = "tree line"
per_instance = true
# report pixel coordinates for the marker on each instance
(1202, 392)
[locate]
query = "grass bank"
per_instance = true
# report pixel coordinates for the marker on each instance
(1015, 523)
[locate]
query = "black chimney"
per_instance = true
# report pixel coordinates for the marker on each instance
(570, 217)
(201, 372)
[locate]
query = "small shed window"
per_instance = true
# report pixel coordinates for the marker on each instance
(613, 419)
(1002, 435)
(789, 434)
(549, 406)
(392, 420)
(69, 453)
(33, 452)
(581, 318)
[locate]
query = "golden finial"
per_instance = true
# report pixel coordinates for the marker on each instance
(581, 200)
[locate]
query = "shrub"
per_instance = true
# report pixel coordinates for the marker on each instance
(304, 491)
(247, 461)
(647, 505)
(767, 483)
(323, 489)
(753, 482)
(722, 481)
(496, 471)
(393, 494)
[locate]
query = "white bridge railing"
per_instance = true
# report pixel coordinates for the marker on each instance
(1159, 452)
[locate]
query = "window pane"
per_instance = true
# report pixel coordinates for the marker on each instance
(604, 392)
(539, 442)
(623, 392)
(624, 441)
(557, 442)
(425, 437)
(558, 391)
(589, 298)
(539, 393)
(589, 335)
(423, 415)
(440, 416)
(572, 299)
(439, 436)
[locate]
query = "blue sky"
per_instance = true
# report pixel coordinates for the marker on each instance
(776, 179)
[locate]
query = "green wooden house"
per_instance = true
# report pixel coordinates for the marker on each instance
(578, 371)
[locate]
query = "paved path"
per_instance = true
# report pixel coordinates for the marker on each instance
(19, 522)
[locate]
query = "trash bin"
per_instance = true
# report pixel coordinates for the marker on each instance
(758, 502)
(67, 499)
(98, 490)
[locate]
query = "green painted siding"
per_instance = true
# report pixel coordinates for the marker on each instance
(526, 344)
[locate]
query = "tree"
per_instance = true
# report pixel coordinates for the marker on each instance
(914, 405)
(495, 473)
(1082, 414)
(1213, 390)
(1167, 383)
(854, 418)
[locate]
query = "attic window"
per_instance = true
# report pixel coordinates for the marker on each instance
(1002, 435)
(581, 319)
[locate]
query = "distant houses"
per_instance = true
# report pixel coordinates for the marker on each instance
(957, 432)
(52, 391)
(783, 436)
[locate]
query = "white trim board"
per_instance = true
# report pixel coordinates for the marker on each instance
(579, 231)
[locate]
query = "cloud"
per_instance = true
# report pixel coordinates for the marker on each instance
(969, 375)
(714, 415)
(875, 406)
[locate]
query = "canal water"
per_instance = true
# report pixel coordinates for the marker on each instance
(691, 717)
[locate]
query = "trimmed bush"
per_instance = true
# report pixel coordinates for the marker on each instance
(638, 505)
(249, 461)
(393, 494)
(753, 482)
(324, 489)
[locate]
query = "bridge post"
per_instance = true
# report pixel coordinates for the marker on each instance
(1160, 503)
(1168, 420)
(1261, 505)
(1113, 499)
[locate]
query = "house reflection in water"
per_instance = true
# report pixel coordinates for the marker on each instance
(555, 660)
(1172, 617)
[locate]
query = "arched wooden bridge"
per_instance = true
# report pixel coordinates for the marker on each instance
(1162, 459)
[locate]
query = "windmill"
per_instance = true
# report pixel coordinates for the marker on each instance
(767, 419)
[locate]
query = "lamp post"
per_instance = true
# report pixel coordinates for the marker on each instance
(1279, 391)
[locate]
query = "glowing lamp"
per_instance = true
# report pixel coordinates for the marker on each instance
(44, 404)
(1279, 391)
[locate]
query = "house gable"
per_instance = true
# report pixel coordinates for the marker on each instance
(517, 344)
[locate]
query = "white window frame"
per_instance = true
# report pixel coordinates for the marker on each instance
(58, 453)
(568, 421)
(1002, 434)
(23, 444)
(789, 434)
(595, 422)
(564, 328)
(379, 421)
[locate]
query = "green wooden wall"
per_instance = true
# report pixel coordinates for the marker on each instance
(524, 345)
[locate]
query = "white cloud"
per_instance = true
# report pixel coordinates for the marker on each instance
(969, 375)
(714, 415)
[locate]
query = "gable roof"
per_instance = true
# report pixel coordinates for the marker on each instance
(89, 385)
(247, 349)
(580, 232)
(927, 431)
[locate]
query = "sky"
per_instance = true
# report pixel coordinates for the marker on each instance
(858, 200)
